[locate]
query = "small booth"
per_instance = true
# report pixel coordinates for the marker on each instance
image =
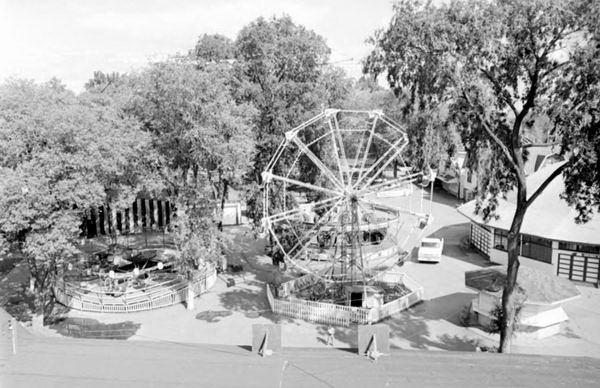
(541, 314)
(364, 296)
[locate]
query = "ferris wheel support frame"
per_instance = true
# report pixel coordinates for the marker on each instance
(346, 190)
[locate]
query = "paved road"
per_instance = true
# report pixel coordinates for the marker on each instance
(56, 362)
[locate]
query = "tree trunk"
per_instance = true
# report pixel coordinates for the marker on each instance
(508, 295)
(223, 199)
(458, 180)
(395, 169)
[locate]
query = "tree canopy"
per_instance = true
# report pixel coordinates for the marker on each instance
(61, 156)
(498, 67)
(282, 69)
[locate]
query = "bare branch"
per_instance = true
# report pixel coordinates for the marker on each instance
(489, 131)
(553, 41)
(545, 184)
(553, 68)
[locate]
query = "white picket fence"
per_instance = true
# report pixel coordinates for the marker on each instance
(329, 313)
(153, 297)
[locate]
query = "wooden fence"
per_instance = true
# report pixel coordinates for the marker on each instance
(334, 314)
(153, 297)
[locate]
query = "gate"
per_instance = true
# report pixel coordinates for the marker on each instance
(579, 267)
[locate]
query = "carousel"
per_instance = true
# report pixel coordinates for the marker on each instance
(126, 278)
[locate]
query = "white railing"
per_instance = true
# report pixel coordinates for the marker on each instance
(334, 314)
(153, 297)
(315, 311)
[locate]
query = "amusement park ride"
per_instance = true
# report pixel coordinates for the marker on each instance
(322, 204)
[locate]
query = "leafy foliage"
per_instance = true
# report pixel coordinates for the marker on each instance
(203, 137)
(60, 156)
(500, 66)
(282, 70)
(414, 54)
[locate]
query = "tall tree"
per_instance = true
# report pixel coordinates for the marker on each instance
(411, 55)
(283, 70)
(60, 157)
(201, 132)
(203, 137)
(499, 65)
(213, 49)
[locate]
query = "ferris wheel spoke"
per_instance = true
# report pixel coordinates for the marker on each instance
(316, 228)
(357, 156)
(303, 241)
(367, 147)
(268, 176)
(293, 212)
(390, 208)
(324, 169)
(389, 185)
(393, 125)
(335, 151)
(342, 148)
(381, 163)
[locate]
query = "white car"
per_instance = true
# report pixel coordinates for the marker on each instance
(431, 249)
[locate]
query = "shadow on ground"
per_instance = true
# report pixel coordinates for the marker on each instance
(91, 328)
(15, 296)
(212, 316)
(411, 325)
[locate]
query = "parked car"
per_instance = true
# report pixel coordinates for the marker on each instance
(431, 249)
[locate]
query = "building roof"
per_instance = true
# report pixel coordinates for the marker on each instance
(548, 217)
(539, 287)
(536, 157)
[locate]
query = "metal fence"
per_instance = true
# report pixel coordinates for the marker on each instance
(149, 298)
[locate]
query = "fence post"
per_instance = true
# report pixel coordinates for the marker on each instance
(12, 325)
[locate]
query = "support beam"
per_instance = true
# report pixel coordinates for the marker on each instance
(326, 171)
(392, 150)
(268, 176)
(287, 213)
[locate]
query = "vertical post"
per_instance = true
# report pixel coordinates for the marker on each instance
(139, 212)
(155, 212)
(113, 222)
(431, 196)
(13, 326)
(571, 266)
(130, 217)
(97, 221)
(106, 220)
(148, 215)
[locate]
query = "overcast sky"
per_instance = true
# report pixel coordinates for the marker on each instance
(70, 39)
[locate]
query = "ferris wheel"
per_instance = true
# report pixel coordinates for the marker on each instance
(339, 201)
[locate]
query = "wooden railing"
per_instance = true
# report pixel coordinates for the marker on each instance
(156, 296)
(334, 314)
